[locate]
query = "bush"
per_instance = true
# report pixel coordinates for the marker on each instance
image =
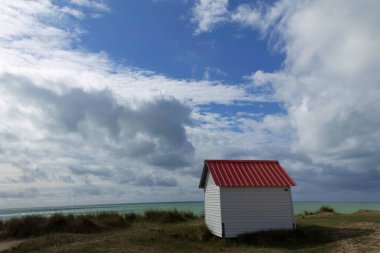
(132, 217)
(85, 224)
(112, 220)
(187, 232)
(322, 209)
(24, 227)
(203, 233)
(167, 216)
(58, 223)
(326, 209)
(305, 212)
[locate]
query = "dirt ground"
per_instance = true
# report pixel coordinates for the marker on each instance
(370, 243)
(5, 245)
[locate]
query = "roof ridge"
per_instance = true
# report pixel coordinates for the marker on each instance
(238, 161)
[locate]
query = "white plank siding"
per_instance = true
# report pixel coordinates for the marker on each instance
(250, 209)
(212, 206)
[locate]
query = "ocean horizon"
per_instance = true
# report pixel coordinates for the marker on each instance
(194, 206)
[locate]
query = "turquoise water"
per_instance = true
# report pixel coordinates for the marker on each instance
(196, 207)
(340, 207)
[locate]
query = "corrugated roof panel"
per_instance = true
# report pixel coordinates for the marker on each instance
(252, 177)
(272, 177)
(248, 173)
(276, 174)
(249, 180)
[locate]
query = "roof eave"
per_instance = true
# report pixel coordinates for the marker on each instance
(202, 183)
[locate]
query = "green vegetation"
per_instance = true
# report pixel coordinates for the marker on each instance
(168, 216)
(37, 225)
(326, 209)
(322, 209)
(173, 231)
(33, 225)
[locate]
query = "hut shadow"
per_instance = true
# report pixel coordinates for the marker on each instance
(302, 238)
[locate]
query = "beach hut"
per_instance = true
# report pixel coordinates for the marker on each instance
(244, 196)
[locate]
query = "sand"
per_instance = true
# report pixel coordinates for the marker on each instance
(8, 244)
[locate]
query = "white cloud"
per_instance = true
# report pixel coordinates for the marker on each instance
(208, 13)
(329, 84)
(57, 105)
(93, 4)
(74, 12)
(211, 73)
(75, 120)
(246, 15)
(330, 81)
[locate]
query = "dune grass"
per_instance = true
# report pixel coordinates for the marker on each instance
(34, 225)
(173, 231)
(168, 216)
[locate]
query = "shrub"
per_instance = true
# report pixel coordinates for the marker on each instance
(326, 209)
(59, 223)
(84, 224)
(132, 217)
(167, 216)
(189, 215)
(187, 232)
(203, 233)
(305, 212)
(322, 209)
(25, 226)
(112, 220)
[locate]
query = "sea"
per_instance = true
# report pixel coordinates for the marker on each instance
(196, 207)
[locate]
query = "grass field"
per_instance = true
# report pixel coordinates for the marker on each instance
(184, 232)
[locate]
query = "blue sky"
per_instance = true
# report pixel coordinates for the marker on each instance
(157, 36)
(122, 101)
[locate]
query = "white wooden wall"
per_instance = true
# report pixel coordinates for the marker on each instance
(212, 206)
(251, 209)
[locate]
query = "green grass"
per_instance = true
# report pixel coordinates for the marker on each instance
(173, 231)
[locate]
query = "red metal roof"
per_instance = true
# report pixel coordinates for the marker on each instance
(246, 173)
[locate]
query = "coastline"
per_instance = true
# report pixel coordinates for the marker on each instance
(194, 206)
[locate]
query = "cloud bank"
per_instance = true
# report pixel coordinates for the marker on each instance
(78, 127)
(329, 84)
